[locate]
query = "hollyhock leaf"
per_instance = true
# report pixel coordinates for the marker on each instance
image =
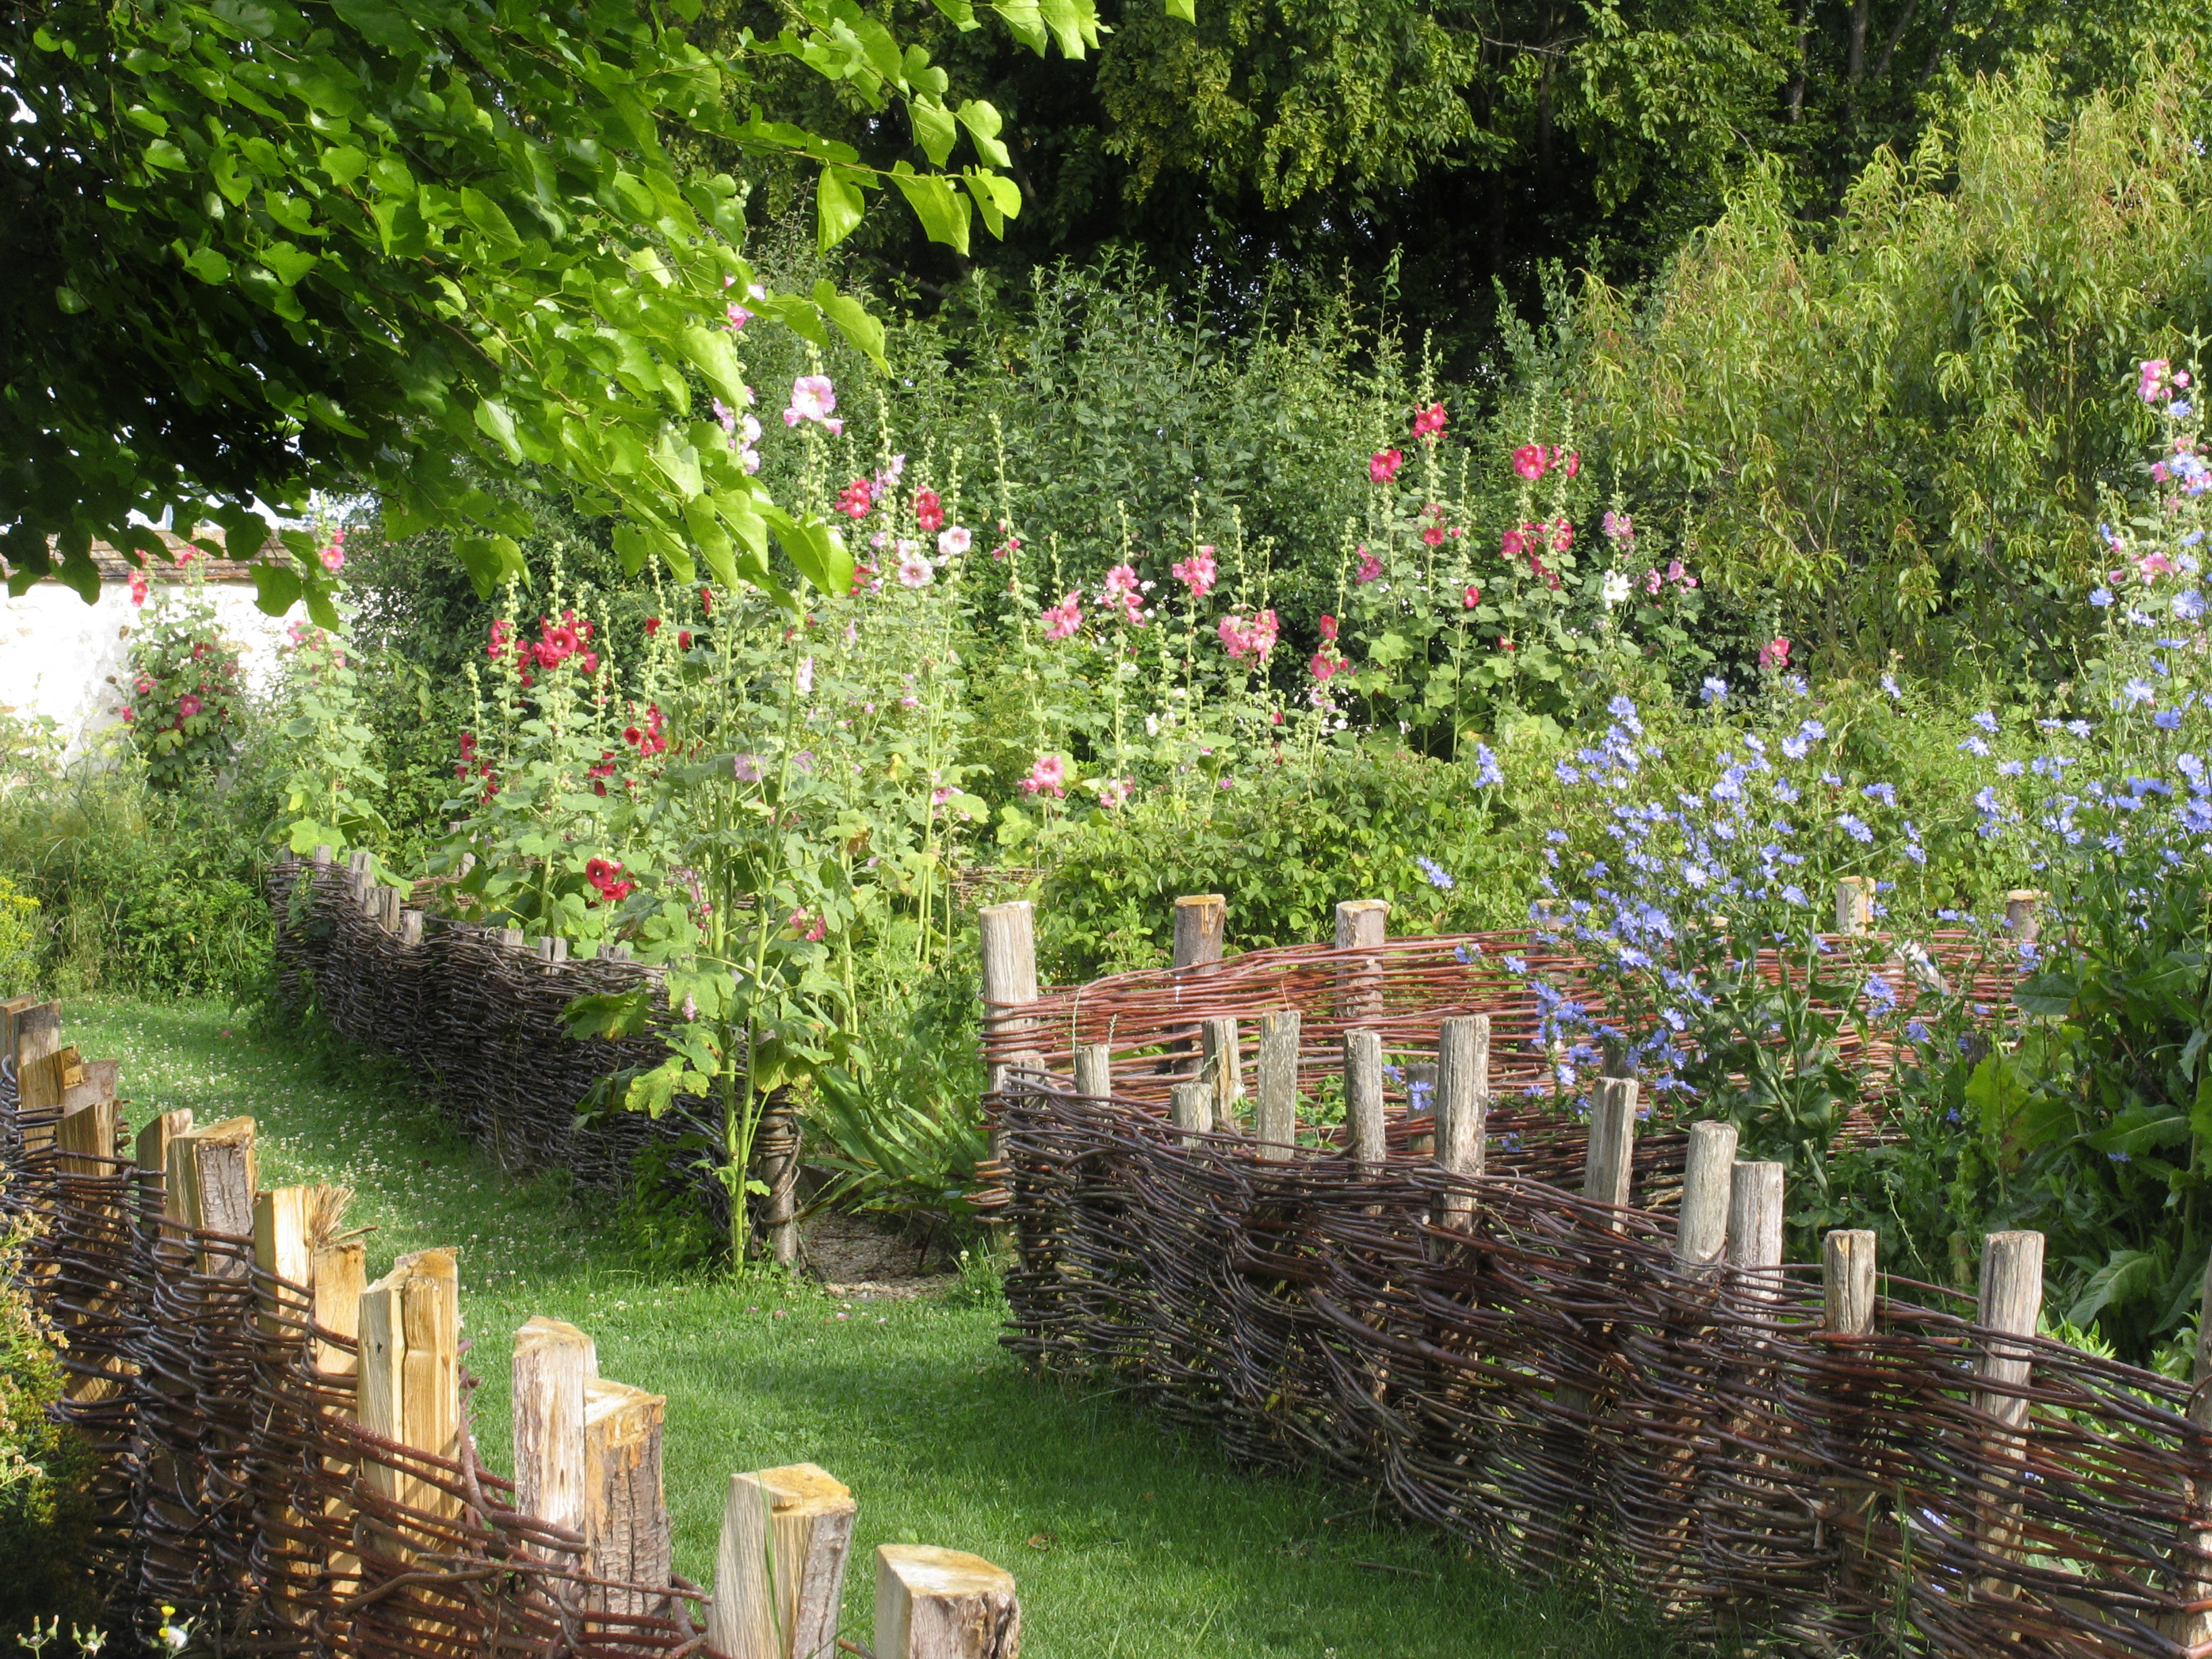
(817, 550)
(960, 12)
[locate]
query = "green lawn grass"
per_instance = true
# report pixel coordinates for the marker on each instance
(1127, 1541)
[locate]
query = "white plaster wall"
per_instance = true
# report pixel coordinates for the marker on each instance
(63, 658)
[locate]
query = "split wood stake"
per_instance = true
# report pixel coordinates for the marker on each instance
(1755, 1226)
(1201, 928)
(2024, 914)
(2192, 1552)
(284, 1224)
(1462, 1105)
(779, 1565)
(627, 1534)
(338, 1273)
(408, 1389)
(1701, 1229)
(554, 1364)
(1275, 1107)
(212, 1182)
(85, 1139)
(1093, 1070)
(1363, 1095)
(37, 1039)
(154, 1158)
(1854, 905)
(1361, 925)
(10, 1011)
(2011, 1303)
(1847, 1267)
(410, 928)
(1611, 1158)
(1009, 978)
(944, 1604)
(1191, 1110)
(1224, 1067)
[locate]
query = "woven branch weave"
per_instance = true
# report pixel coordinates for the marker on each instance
(232, 1483)
(1546, 1384)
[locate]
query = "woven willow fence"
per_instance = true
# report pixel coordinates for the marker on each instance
(1821, 1460)
(283, 1452)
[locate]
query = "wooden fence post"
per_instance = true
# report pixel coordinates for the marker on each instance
(85, 1140)
(1754, 1225)
(1094, 1069)
(1010, 979)
(554, 1364)
(1363, 1095)
(1223, 1066)
(1462, 1105)
(2024, 914)
(627, 1534)
(2011, 1301)
(338, 1270)
(1701, 1228)
(944, 1604)
(1201, 928)
(779, 1564)
(212, 1177)
(1275, 1107)
(2192, 1545)
(1847, 1262)
(38, 1040)
(1854, 905)
(1191, 1110)
(1847, 1270)
(408, 1388)
(1361, 925)
(1612, 1142)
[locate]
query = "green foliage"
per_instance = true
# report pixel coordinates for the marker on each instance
(1892, 436)
(45, 1515)
(329, 792)
(184, 712)
(18, 933)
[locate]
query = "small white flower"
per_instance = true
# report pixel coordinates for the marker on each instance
(1614, 589)
(954, 540)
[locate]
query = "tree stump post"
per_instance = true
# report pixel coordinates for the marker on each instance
(944, 1604)
(1275, 1105)
(1462, 1107)
(779, 1564)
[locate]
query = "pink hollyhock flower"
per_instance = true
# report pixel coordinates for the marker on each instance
(1619, 527)
(1572, 461)
(1197, 571)
(1563, 535)
(333, 556)
(144, 685)
(137, 587)
(1265, 631)
(1328, 627)
(1651, 581)
(2155, 564)
(1062, 620)
(1048, 777)
(1774, 653)
(1369, 567)
(1324, 665)
(803, 679)
(856, 498)
(1383, 464)
(1123, 590)
(1529, 461)
(187, 706)
(955, 541)
(1680, 576)
(1234, 637)
(128, 716)
(2150, 379)
(1115, 791)
(928, 511)
(1430, 422)
(813, 398)
(652, 626)
(1472, 598)
(1512, 545)
(913, 570)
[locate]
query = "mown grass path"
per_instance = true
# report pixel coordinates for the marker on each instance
(1127, 1541)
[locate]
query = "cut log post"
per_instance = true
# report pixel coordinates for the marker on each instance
(1612, 1142)
(37, 1041)
(1201, 929)
(2192, 1545)
(1224, 1069)
(944, 1604)
(408, 1389)
(1847, 1265)
(154, 1162)
(1275, 1106)
(1463, 1106)
(10, 1011)
(85, 1140)
(2024, 914)
(1854, 906)
(554, 1364)
(1362, 1096)
(1093, 1070)
(510, 939)
(779, 1564)
(212, 1177)
(1755, 1226)
(1701, 1228)
(338, 1273)
(1361, 925)
(323, 857)
(410, 928)
(1191, 1110)
(284, 1248)
(2011, 1304)
(627, 1534)
(1009, 978)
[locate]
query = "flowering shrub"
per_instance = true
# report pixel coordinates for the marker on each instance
(183, 703)
(329, 792)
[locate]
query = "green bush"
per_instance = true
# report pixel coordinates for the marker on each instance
(43, 1515)
(18, 935)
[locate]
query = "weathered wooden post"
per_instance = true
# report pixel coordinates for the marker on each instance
(1755, 1226)
(944, 1604)
(1094, 1069)
(212, 1177)
(1275, 1108)
(1361, 925)
(1611, 1157)
(1854, 905)
(1701, 1228)
(2192, 1545)
(1363, 1095)
(1009, 978)
(779, 1564)
(1201, 929)
(1847, 1265)
(408, 1389)
(1223, 1066)
(2011, 1304)
(1463, 1106)
(85, 1140)
(1191, 1110)
(554, 1365)
(2024, 914)
(37, 1046)
(628, 1536)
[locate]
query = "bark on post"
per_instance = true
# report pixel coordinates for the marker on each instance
(627, 1534)
(944, 1604)
(779, 1564)
(1847, 1267)
(1201, 928)
(1854, 906)
(1191, 1110)
(1612, 1142)
(1462, 1105)
(1701, 1229)
(1362, 1096)
(2192, 1548)
(1093, 1070)
(1224, 1067)
(554, 1364)
(1755, 1226)
(1009, 983)
(1275, 1108)
(37, 1039)
(1361, 925)
(2024, 914)
(2011, 1303)
(212, 1177)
